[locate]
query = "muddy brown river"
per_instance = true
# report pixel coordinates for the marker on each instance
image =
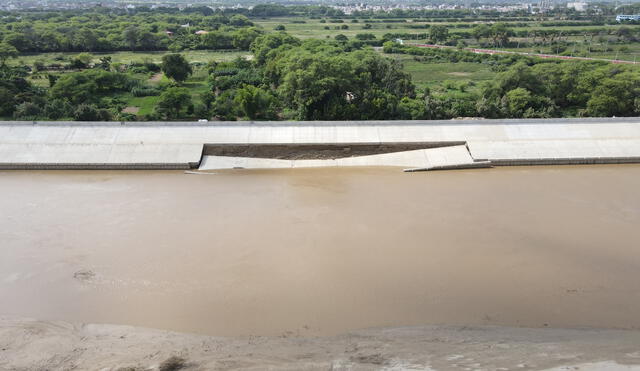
(320, 252)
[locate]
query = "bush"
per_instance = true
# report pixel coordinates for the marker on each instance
(27, 111)
(57, 109)
(145, 91)
(89, 112)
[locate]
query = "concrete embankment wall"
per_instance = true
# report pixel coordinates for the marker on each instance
(180, 145)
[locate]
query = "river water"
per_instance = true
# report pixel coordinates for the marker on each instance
(323, 251)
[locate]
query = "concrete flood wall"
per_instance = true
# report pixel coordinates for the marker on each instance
(181, 145)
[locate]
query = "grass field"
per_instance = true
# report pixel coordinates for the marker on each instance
(313, 28)
(201, 56)
(437, 76)
(145, 105)
(197, 84)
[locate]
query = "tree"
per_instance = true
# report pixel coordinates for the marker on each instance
(105, 63)
(7, 52)
(317, 82)
(240, 20)
(89, 112)
(6, 102)
(172, 101)
(81, 61)
(411, 109)
(518, 101)
(57, 108)
(615, 96)
(341, 38)
(480, 31)
(19, 41)
(500, 34)
(131, 35)
(438, 33)
(217, 40)
(243, 37)
(176, 67)
(147, 41)
(365, 36)
(27, 111)
(265, 44)
(89, 86)
(253, 102)
(87, 39)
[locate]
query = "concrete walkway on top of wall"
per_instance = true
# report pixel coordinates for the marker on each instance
(180, 144)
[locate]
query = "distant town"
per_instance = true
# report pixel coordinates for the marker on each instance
(345, 8)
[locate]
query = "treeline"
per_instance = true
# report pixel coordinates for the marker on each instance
(325, 80)
(500, 35)
(310, 80)
(287, 79)
(531, 87)
(101, 32)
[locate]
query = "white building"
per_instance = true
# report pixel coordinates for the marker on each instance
(578, 6)
(635, 17)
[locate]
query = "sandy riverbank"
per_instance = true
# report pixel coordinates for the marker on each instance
(44, 345)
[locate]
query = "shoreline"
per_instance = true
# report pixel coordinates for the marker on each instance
(29, 344)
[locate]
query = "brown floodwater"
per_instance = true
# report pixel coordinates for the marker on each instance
(323, 251)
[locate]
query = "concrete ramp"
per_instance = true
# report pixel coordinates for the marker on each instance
(423, 159)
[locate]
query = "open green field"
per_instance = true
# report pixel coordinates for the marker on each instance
(314, 28)
(196, 83)
(439, 75)
(593, 49)
(196, 56)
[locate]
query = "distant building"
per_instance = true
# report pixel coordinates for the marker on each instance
(578, 6)
(634, 17)
(545, 5)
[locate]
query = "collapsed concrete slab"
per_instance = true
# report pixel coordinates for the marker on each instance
(422, 159)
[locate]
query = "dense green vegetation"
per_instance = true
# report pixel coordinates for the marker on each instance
(110, 30)
(309, 63)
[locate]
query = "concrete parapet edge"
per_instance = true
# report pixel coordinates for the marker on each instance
(582, 120)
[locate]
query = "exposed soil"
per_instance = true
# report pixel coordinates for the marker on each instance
(131, 109)
(156, 77)
(314, 152)
(31, 345)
